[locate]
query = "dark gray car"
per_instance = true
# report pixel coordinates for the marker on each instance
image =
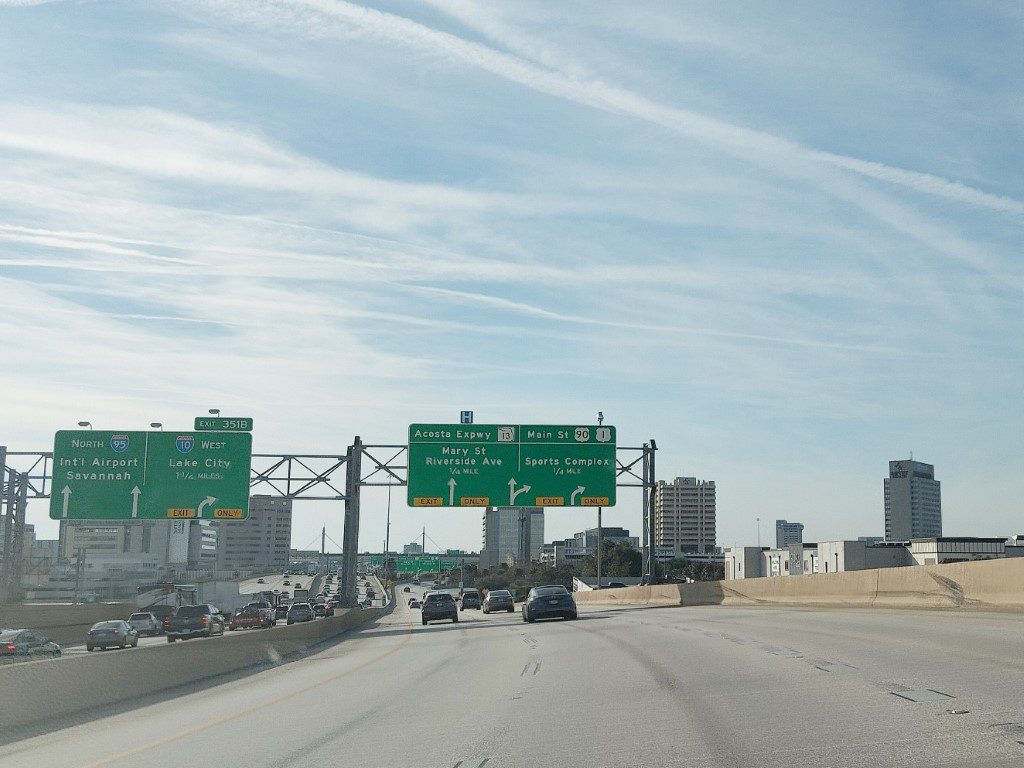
(25, 645)
(439, 605)
(111, 634)
(548, 602)
(499, 600)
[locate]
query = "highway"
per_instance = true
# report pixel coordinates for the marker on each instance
(707, 686)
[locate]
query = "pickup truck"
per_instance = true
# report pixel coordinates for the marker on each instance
(202, 620)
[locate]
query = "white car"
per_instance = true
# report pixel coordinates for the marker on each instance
(145, 623)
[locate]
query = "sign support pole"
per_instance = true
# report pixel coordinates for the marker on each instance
(350, 539)
(649, 496)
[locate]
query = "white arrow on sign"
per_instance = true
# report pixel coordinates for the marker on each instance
(451, 492)
(513, 494)
(66, 493)
(135, 501)
(204, 504)
(579, 489)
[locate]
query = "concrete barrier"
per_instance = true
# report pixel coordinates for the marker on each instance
(45, 690)
(62, 623)
(992, 585)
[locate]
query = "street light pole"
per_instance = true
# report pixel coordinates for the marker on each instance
(600, 529)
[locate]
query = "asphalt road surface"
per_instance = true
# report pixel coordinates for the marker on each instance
(711, 686)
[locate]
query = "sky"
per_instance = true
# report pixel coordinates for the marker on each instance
(784, 239)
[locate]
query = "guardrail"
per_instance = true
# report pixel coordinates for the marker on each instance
(46, 690)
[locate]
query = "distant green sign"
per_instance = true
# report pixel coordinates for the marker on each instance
(150, 475)
(478, 465)
(420, 563)
(221, 424)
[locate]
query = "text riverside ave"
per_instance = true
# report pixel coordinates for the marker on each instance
(452, 465)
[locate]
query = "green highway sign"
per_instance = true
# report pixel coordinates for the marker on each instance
(150, 475)
(478, 465)
(222, 424)
(417, 563)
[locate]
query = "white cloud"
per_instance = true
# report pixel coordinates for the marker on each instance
(783, 155)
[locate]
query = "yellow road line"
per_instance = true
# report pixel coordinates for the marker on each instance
(254, 708)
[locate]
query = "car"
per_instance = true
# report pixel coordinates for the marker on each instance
(334, 602)
(261, 581)
(406, 589)
(416, 582)
(286, 583)
(26, 645)
(300, 612)
(366, 604)
(614, 585)
(439, 605)
(200, 620)
(250, 617)
(146, 623)
(323, 609)
(414, 603)
(548, 601)
(410, 601)
(281, 612)
(498, 600)
(366, 584)
(470, 599)
(107, 634)
(297, 585)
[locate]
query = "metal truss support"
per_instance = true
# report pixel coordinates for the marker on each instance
(315, 477)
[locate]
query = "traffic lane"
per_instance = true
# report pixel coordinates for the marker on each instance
(684, 687)
(818, 685)
(78, 650)
(671, 686)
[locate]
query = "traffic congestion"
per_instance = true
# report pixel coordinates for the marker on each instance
(288, 604)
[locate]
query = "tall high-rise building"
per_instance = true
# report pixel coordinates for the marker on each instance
(787, 533)
(913, 501)
(684, 515)
(512, 534)
(262, 540)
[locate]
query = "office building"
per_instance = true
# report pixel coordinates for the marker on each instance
(913, 501)
(588, 539)
(175, 544)
(860, 555)
(415, 548)
(167, 540)
(684, 515)
(512, 535)
(263, 540)
(787, 533)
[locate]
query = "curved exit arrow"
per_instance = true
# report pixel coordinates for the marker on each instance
(204, 504)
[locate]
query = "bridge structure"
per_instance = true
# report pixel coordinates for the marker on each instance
(337, 476)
